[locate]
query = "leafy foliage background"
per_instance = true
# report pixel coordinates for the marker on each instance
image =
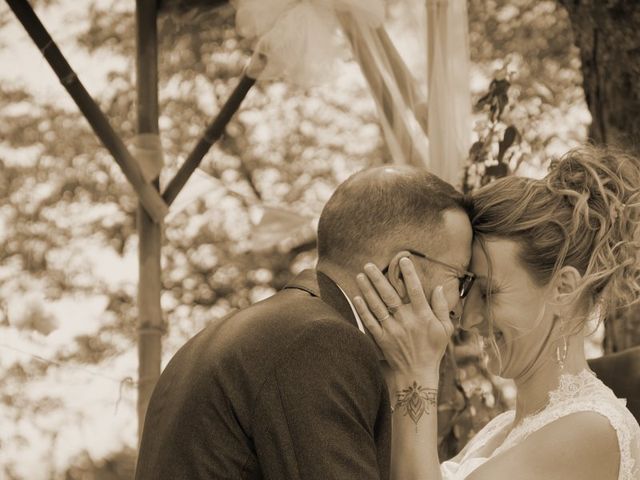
(68, 268)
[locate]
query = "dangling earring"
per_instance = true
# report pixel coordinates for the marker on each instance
(561, 350)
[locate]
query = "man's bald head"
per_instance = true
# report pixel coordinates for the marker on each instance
(379, 209)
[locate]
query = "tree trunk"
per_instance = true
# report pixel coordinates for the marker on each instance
(607, 34)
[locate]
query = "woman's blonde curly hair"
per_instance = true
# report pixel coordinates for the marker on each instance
(585, 213)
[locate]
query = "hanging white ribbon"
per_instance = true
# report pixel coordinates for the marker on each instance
(449, 95)
(398, 97)
(300, 38)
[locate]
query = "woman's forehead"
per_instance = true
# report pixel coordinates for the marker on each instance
(500, 253)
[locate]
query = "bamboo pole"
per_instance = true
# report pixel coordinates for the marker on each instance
(149, 232)
(185, 5)
(213, 132)
(149, 197)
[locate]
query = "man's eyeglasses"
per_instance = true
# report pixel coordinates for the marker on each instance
(465, 279)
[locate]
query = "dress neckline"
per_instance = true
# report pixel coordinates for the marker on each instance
(579, 392)
(569, 385)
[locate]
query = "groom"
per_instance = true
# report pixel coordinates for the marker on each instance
(291, 387)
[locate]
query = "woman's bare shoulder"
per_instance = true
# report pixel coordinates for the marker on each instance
(580, 445)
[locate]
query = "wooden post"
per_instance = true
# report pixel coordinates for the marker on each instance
(149, 232)
(149, 196)
(210, 136)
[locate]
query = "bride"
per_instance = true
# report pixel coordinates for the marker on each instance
(547, 255)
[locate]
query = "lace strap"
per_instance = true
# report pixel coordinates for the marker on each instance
(585, 393)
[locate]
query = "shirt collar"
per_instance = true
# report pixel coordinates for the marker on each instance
(355, 312)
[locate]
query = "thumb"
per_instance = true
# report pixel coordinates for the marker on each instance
(439, 304)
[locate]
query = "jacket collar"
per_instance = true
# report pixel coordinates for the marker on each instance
(320, 285)
(332, 295)
(306, 281)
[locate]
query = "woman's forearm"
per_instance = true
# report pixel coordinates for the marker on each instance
(414, 445)
(413, 337)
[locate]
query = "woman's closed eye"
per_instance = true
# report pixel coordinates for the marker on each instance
(485, 294)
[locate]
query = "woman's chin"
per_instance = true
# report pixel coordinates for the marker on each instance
(493, 365)
(497, 360)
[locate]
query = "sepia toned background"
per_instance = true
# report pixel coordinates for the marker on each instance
(244, 224)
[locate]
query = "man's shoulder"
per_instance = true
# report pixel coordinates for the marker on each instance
(291, 320)
(277, 321)
(296, 319)
(263, 334)
(290, 306)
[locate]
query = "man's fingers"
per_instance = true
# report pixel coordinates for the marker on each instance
(368, 319)
(374, 303)
(413, 284)
(386, 291)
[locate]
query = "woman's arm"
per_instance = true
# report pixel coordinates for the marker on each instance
(414, 440)
(413, 340)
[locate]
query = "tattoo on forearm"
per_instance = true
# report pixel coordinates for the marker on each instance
(415, 401)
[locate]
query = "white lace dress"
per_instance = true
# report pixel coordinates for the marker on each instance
(576, 393)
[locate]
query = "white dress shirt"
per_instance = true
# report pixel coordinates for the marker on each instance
(355, 312)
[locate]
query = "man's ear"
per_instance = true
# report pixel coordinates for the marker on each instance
(566, 283)
(394, 274)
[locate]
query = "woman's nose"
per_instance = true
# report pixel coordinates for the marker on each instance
(472, 314)
(470, 320)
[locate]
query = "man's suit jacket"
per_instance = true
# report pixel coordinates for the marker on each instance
(288, 388)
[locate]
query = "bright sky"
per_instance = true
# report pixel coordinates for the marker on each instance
(64, 20)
